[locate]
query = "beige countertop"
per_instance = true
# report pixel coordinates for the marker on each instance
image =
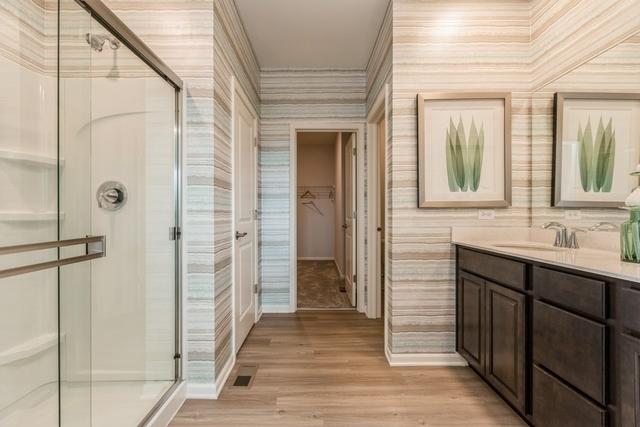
(598, 253)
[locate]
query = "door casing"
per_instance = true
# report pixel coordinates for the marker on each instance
(238, 95)
(324, 126)
(377, 114)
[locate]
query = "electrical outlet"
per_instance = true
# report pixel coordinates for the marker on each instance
(486, 214)
(572, 214)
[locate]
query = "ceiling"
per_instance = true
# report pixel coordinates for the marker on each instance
(318, 34)
(315, 138)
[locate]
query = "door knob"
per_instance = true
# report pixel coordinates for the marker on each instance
(379, 228)
(240, 235)
(345, 226)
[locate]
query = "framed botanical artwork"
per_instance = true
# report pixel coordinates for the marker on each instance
(464, 150)
(596, 147)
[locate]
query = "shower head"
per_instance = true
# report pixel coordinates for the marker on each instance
(97, 41)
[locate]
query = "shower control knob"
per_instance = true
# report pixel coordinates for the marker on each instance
(111, 196)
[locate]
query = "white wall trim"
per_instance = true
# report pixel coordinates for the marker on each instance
(275, 309)
(378, 112)
(326, 126)
(224, 375)
(211, 391)
(170, 408)
(424, 359)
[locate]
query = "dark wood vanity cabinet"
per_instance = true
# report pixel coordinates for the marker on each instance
(562, 347)
(491, 334)
(471, 320)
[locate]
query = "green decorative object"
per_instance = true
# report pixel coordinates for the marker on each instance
(630, 230)
(464, 156)
(597, 156)
(630, 237)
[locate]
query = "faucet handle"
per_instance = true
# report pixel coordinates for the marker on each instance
(608, 226)
(554, 225)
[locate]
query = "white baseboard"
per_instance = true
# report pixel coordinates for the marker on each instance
(224, 375)
(170, 408)
(266, 309)
(424, 359)
(316, 258)
(201, 391)
(211, 391)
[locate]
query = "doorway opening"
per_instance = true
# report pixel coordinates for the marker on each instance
(325, 196)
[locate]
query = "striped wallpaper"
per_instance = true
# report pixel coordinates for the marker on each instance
(288, 96)
(233, 57)
(379, 74)
(463, 45)
(440, 45)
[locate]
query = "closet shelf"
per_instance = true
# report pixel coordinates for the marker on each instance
(36, 159)
(7, 216)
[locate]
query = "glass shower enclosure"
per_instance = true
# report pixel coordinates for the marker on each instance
(89, 219)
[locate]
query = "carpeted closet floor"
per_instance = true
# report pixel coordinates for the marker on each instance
(319, 286)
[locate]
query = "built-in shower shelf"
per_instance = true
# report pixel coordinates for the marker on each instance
(6, 216)
(30, 348)
(34, 159)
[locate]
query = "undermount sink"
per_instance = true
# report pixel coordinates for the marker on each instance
(529, 246)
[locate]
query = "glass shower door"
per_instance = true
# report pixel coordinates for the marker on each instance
(89, 330)
(118, 138)
(29, 314)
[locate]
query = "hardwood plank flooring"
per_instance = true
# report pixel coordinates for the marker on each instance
(328, 369)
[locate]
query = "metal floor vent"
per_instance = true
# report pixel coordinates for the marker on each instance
(245, 376)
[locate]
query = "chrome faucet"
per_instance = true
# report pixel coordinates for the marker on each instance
(561, 233)
(573, 239)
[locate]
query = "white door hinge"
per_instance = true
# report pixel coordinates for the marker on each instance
(255, 214)
(256, 289)
(354, 151)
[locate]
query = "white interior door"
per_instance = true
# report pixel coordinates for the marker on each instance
(350, 219)
(244, 221)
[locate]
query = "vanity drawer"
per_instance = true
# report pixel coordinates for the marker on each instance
(629, 310)
(556, 405)
(571, 347)
(500, 270)
(574, 292)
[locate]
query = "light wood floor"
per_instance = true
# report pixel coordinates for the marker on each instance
(328, 369)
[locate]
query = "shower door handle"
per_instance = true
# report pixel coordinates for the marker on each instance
(95, 248)
(240, 235)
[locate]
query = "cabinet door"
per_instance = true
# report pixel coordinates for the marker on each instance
(505, 342)
(629, 381)
(471, 320)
